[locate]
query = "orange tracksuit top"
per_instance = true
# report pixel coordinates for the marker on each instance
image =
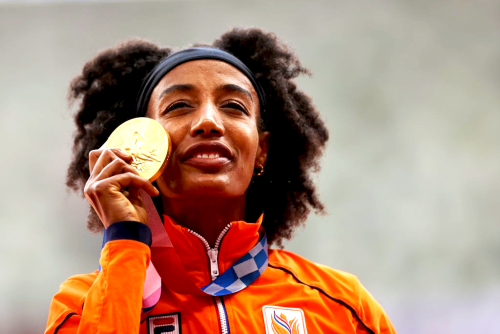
(293, 295)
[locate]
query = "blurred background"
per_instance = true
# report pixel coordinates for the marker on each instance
(410, 94)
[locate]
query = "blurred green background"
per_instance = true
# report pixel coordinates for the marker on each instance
(410, 177)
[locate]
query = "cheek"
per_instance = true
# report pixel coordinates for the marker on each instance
(177, 130)
(248, 142)
(172, 176)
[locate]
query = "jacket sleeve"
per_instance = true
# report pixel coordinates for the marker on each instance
(112, 303)
(372, 314)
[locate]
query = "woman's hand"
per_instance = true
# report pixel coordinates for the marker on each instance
(113, 187)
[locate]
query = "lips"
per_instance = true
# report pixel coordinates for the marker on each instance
(207, 154)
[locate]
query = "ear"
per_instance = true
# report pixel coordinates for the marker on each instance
(263, 149)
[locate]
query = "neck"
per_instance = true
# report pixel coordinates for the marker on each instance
(205, 216)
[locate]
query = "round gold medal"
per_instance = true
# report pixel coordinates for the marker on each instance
(146, 141)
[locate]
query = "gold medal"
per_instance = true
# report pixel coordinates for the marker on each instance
(146, 141)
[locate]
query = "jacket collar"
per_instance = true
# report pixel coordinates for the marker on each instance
(237, 241)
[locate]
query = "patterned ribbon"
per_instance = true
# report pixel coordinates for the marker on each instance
(173, 274)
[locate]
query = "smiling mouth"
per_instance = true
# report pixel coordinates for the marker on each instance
(208, 161)
(207, 156)
(210, 156)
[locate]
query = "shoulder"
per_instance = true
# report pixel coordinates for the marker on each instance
(79, 283)
(336, 285)
(72, 293)
(68, 301)
(82, 279)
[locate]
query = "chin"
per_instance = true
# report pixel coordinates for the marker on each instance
(202, 186)
(209, 186)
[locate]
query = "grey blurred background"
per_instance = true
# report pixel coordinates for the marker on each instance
(410, 94)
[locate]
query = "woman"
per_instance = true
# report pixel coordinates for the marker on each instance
(244, 142)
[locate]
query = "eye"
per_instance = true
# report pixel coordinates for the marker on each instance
(233, 105)
(177, 105)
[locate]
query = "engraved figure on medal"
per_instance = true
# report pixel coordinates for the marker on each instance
(143, 154)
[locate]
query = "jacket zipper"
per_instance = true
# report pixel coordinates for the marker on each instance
(213, 256)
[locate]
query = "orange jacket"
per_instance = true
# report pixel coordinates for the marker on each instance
(293, 295)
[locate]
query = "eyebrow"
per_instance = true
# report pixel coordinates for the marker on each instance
(235, 88)
(176, 88)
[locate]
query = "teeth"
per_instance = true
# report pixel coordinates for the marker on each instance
(208, 156)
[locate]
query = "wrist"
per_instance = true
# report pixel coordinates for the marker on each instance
(128, 230)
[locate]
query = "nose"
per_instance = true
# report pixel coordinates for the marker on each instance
(207, 121)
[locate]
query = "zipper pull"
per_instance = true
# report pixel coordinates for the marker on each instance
(214, 266)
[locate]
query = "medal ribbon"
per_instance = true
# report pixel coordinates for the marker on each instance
(171, 271)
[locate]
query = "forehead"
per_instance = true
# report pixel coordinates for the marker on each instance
(205, 73)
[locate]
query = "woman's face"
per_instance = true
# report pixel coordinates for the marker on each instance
(211, 110)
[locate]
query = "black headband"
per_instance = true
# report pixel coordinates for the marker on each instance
(187, 55)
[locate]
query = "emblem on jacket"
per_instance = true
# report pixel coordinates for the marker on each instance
(165, 324)
(284, 320)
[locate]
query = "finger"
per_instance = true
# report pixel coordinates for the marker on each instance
(98, 159)
(117, 166)
(133, 192)
(94, 156)
(133, 180)
(123, 155)
(94, 204)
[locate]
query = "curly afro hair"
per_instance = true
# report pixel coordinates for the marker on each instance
(106, 93)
